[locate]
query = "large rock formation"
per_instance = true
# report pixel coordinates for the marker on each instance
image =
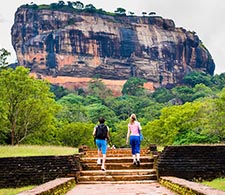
(80, 44)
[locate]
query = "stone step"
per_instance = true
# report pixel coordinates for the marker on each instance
(117, 177)
(119, 167)
(118, 172)
(117, 150)
(120, 182)
(114, 152)
(115, 166)
(125, 159)
(111, 155)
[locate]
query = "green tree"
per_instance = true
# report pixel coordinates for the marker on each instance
(94, 111)
(97, 88)
(120, 11)
(3, 57)
(214, 117)
(70, 4)
(173, 122)
(134, 86)
(149, 111)
(218, 81)
(73, 109)
(152, 13)
(194, 78)
(58, 91)
(90, 8)
(76, 133)
(71, 98)
(202, 91)
(118, 137)
(61, 3)
(78, 5)
(27, 105)
(162, 95)
(183, 93)
(89, 99)
(122, 106)
(144, 13)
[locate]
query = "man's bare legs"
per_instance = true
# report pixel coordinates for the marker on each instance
(99, 157)
(103, 162)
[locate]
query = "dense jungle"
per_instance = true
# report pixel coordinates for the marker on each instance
(35, 112)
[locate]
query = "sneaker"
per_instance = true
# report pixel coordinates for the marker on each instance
(103, 168)
(138, 163)
(135, 162)
(99, 162)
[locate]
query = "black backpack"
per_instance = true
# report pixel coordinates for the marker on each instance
(101, 131)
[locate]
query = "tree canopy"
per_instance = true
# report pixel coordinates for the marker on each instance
(27, 105)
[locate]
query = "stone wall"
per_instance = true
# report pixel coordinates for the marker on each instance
(201, 162)
(23, 171)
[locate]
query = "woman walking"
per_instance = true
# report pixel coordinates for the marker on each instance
(133, 133)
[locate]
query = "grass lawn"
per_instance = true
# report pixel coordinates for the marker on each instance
(218, 183)
(35, 150)
(12, 191)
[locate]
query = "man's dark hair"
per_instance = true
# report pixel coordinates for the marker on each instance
(101, 120)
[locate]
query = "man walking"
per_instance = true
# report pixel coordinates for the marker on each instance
(101, 134)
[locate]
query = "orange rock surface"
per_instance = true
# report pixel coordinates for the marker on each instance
(74, 83)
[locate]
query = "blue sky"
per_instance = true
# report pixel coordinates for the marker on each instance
(205, 17)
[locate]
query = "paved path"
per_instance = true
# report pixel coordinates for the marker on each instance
(120, 189)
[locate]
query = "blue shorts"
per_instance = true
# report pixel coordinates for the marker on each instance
(135, 144)
(102, 145)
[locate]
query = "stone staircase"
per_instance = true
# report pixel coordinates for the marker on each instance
(119, 168)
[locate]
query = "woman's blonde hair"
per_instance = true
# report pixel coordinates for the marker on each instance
(132, 118)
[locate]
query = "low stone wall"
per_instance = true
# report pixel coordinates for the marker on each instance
(56, 186)
(200, 162)
(23, 171)
(185, 187)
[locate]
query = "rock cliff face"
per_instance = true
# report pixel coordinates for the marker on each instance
(75, 44)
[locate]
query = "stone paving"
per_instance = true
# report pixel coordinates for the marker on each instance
(120, 189)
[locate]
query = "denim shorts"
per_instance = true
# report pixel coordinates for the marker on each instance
(102, 145)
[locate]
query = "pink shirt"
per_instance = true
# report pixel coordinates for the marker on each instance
(134, 128)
